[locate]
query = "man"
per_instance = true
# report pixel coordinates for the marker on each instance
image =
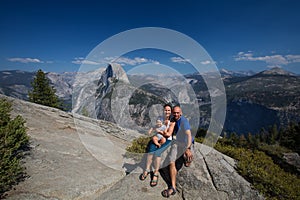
(183, 146)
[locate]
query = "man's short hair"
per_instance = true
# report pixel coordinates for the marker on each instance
(177, 105)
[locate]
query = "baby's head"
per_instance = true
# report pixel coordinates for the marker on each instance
(159, 122)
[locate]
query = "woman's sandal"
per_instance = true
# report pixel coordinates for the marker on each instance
(144, 175)
(167, 194)
(153, 183)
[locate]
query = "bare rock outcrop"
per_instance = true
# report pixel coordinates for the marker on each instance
(73, 159)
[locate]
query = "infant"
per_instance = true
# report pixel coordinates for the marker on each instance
(158, 139)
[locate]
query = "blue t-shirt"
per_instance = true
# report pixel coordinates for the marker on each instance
(181, 125)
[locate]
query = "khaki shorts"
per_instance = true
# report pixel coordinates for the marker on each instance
(177, 150)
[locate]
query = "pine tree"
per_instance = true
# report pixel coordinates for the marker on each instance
(42, 92)
(291, 137)
(273, 132)
(13, 141)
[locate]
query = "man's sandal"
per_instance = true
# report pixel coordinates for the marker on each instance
(144, 175)
(153, 183)
(167, 194)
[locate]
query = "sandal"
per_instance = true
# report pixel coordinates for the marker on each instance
(167, 194)
(144, 175)
(153, 183)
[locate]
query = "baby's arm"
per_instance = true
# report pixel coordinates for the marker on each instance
(150, 131)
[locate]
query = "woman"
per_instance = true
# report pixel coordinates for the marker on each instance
(156, 152)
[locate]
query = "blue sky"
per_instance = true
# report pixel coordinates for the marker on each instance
(239, 35)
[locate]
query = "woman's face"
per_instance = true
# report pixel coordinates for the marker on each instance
(167, 111)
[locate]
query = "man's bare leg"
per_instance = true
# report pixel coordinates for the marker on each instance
(173, 173)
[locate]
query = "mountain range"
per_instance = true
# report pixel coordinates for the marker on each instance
(254, 100)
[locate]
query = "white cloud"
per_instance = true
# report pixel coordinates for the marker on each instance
(120, 60)
(207, 62)
(179, 60)
(184, 61)
(25, 60)
(271, 60)
(130, 61)
(134, 61)
(293, 58)
(81, 60)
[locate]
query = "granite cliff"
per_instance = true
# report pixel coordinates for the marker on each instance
(254, 100)
(65, 162)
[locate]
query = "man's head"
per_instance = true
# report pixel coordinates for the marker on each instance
(176, 112)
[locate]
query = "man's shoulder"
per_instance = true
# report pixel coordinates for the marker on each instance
(185, 123)
(183, 118)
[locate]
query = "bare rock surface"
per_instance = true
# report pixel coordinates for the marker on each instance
(74, 157)
(292, 159)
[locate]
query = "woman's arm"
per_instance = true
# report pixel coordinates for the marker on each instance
(168, 132)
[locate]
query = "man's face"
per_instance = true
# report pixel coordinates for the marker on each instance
(176, 113)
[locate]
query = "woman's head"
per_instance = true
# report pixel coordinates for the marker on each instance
(167, 110)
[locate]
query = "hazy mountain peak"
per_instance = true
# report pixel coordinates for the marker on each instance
(277, 71)
(225, 71)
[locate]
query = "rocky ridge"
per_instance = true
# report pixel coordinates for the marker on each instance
(63, 165)
(274, 93)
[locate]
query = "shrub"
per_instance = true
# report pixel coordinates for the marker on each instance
(13, 140)
(260, 170)
(137, 148)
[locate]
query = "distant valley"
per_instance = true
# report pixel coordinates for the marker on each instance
(254, 100)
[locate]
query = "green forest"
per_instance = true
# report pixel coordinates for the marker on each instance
(261, 159)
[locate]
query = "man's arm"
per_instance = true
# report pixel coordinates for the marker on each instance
(189, 138)
(188, 153)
